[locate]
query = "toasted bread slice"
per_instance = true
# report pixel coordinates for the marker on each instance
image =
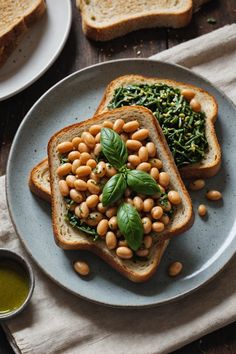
(39, 181)
(16, 17)
(107, 19)
(68, 238)
(211, 163)
(207, 168)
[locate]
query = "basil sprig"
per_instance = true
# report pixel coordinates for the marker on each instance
(113, 189)
(130, 225)
(115, 151)
(142, 182)
(113, 147)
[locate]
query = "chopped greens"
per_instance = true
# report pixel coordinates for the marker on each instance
(183, 128)
(69, 202)
(163, 200)
(78, 224)
(63, 158)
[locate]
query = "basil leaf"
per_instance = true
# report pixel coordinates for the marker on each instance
(142, 182)
(130, 225)
(113, 147)
(113, 189)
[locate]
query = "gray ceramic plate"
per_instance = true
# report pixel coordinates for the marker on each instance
(204, 250)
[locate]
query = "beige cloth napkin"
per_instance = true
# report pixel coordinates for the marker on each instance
(58, 322)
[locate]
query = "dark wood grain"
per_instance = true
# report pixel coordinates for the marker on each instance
(80, 52)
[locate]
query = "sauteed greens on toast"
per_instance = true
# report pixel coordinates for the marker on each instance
(183, 128)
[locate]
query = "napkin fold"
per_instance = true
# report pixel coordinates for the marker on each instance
(58, 322)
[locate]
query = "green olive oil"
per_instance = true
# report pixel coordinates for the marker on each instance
(14, 286)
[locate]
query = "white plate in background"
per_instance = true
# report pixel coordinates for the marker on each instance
(37, 50)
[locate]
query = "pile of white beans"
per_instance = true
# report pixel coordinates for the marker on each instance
(82, 179)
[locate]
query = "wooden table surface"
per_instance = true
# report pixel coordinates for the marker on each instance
(78, 53)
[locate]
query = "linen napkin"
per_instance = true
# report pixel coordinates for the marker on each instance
(58, 322)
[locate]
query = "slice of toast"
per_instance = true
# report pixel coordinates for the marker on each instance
(39, 180)
(68, 238)
(207, 168)
(211, 163)
(16, 17)
(108, 19)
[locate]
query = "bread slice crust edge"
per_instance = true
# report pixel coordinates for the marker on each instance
(38, 187)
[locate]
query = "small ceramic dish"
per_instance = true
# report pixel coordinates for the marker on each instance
(14, 264)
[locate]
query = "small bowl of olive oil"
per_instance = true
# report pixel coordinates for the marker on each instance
(16, 283)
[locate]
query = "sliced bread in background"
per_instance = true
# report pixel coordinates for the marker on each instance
(107, 19)
(16, 17)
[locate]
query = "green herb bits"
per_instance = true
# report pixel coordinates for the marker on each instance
(183, 128)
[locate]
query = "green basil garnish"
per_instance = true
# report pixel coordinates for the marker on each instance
(130, 225)
(113, 147)
(142, 182)
(113, 189)
(183, 128)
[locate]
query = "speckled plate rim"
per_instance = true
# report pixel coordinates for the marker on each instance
(230, 247)
(51, 59)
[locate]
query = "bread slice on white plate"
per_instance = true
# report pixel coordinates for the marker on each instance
(69, 238)
(107, 19)
(211, 163)
(16, 17)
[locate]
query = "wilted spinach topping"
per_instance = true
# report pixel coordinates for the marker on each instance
(183, 128)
